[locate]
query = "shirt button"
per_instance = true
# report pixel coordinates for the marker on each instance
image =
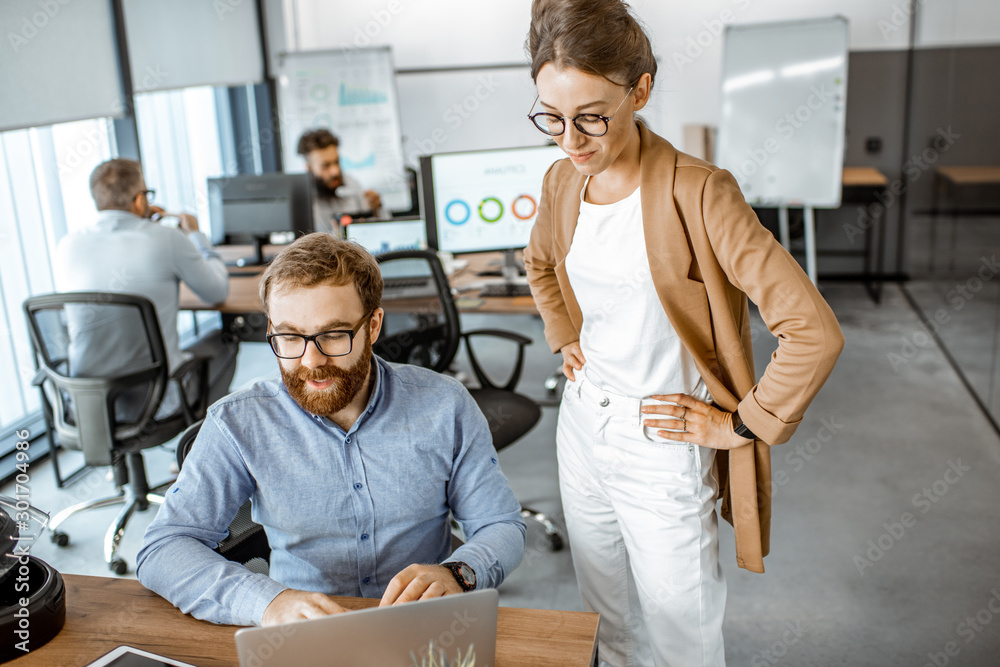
(493, 459)
(691, 449)
(357, 485)
(348, 441)
(366, 580)
(605, 402)
(364, 536)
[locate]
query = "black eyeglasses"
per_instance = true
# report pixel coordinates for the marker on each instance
(336, 343)
(150, 194)
(591, 124)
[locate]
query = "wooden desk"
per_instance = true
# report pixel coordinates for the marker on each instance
(948, 182)
(243, 310)
(102, 613)
(863, 185)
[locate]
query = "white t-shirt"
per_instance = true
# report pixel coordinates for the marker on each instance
(629, 344)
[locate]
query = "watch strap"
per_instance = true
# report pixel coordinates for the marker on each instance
(740, 428)
(456, 571)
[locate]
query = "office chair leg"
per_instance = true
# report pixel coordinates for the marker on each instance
(61, 538)
(113, 539)
(551, 530)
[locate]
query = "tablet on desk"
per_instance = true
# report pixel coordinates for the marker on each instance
(128, 656)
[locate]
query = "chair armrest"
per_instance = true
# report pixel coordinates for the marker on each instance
(193, 410)
(481, 376)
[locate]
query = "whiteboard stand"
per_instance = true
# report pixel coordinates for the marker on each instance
(783, 233)
(809, 223)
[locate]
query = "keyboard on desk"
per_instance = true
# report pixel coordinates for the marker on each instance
(505, 289)
(408, 287)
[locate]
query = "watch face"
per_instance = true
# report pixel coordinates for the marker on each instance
(467, 574)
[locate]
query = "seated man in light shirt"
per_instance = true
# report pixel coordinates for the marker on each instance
(335, 193)
(352, 464)
(126, 250)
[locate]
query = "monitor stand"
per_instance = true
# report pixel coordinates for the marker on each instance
(507, 267)
(257, 258)
(511, 271)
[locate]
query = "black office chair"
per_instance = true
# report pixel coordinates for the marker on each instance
(107, 391)
(421, 326)
(247, 542)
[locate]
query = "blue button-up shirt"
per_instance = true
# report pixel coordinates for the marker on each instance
(343, 512)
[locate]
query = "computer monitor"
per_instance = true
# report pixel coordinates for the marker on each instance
(382, 236)
(484, 201)
(250, 207)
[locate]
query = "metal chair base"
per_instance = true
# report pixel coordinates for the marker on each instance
(116, 531)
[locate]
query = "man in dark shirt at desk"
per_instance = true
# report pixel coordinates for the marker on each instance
(352, 464)
(336, 193)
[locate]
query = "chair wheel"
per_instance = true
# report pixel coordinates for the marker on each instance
(118, 566)
(60, 538)
(555, 542)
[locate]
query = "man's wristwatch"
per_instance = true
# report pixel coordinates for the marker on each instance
(740, 428)
(464, 575)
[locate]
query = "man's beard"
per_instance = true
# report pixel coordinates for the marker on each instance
(347, 384)
(324, 191)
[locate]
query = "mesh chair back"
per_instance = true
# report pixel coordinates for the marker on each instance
(102, 365)
(421, 324)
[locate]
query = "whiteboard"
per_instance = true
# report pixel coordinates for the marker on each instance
(782, 125)
(351, 92)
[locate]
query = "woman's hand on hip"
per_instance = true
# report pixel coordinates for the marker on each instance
(572, 359)
(690, 420)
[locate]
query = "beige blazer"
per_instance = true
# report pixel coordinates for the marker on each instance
(707, 252)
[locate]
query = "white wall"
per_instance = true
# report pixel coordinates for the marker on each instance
(686, 38)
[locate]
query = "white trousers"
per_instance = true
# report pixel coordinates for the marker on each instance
(643, 532)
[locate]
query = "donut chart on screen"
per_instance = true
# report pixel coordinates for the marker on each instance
(458, 211)
(464, 218)
(522, 198)
(499, 207)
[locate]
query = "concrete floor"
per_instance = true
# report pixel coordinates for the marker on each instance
(885, 545)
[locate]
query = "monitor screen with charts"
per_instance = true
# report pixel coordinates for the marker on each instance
(379, 237)
(481, 201)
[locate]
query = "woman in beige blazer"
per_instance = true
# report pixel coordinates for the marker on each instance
(642, 258)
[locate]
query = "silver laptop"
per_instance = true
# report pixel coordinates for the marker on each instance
(455, 630)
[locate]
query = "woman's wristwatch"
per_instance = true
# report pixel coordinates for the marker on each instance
(740, 428)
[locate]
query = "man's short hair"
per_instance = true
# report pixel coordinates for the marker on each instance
(323, 259)
(115, 183)
(314, 140)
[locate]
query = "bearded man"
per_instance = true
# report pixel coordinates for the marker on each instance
(352, 465)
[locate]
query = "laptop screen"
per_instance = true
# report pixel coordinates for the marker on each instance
(389, 235)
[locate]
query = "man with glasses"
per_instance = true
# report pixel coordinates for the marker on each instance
(127, 250)
(353, 466)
